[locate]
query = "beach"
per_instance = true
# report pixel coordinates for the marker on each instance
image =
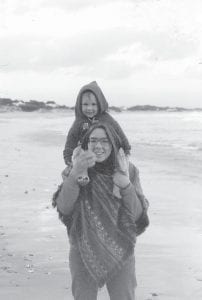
(167, 149)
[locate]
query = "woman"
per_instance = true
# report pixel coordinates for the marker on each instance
(102, 227)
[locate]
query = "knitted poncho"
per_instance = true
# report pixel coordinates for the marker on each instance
(102, 228)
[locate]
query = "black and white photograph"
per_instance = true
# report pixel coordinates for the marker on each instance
(101, 150)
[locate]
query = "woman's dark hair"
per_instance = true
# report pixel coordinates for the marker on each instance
(113, 138)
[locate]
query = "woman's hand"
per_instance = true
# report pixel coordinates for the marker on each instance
(82, 160)
(123, 163)
(121, 175)
(120, 180)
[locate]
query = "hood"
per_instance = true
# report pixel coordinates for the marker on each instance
(96, 90)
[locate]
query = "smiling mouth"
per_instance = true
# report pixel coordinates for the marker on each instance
(90, 113)
(99, 153)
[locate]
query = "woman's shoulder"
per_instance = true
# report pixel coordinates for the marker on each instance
(106, 117)
(78, 122)
(77, 125)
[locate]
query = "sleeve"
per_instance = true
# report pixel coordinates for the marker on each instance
(65, 193)
(65, 219)
(71, 142)
(132, 199)
(143, 222)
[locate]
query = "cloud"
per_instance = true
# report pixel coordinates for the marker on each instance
(114, 50)
(22, 7)
(70, 4)
(48, 53)
(106, 39)
(194, 71)
(168, 46)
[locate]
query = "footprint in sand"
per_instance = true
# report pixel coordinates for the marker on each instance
(154, 295)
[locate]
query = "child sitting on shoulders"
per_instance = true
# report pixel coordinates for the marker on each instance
(91, 107)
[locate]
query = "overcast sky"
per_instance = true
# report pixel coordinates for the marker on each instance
(139, 51)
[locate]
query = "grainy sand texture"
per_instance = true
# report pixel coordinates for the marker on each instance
(33, 242)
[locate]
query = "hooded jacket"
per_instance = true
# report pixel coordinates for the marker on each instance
(101, 100)
(83, 123)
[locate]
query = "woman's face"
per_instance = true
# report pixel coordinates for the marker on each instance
(99, 144)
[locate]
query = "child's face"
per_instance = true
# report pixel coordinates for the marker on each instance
(89, 105)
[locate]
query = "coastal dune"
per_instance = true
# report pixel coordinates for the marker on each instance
(33, 242)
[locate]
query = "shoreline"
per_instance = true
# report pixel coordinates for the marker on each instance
(34, 244)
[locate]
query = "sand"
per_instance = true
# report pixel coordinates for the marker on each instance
(33, 242)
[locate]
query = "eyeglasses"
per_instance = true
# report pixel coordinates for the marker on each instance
(103, 141)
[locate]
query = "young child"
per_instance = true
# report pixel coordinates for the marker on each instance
(91, 107)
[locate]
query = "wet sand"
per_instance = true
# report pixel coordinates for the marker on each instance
(33, 242)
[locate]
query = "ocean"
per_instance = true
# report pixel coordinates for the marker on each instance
(167, 142)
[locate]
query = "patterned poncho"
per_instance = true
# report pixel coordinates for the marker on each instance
(102, 228)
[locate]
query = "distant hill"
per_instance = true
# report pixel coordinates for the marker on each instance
(160, 108)
(7, 104)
